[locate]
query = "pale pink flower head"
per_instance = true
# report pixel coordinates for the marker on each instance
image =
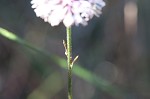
(69, 12)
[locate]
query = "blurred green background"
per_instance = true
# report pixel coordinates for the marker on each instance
(113, 51)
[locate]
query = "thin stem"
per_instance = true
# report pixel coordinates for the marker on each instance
(69, 61)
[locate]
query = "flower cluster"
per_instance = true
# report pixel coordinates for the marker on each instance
(69, 12)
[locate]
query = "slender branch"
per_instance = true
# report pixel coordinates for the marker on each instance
(78, 71)
(69, 61)
(69, 47)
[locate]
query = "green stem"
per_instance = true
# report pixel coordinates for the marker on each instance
(69, 61)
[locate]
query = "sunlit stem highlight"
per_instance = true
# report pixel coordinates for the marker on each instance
(69, 61)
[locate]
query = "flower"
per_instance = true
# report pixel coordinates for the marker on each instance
(69, 12)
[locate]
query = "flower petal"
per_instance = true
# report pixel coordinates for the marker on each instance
(67, 11)
(68, 20)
